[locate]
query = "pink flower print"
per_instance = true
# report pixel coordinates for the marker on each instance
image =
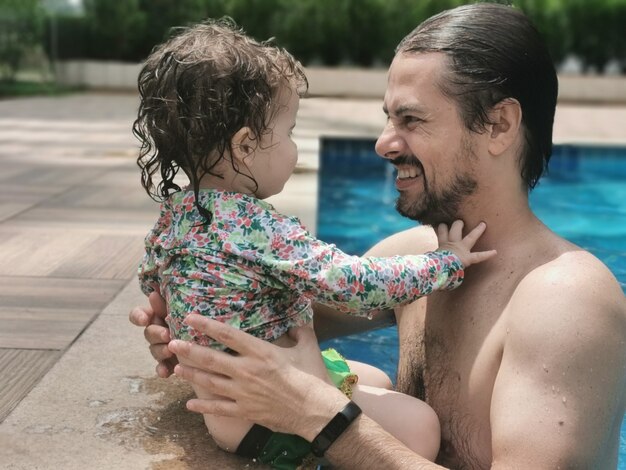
(286, 251)
(276, 244)
(222, 303)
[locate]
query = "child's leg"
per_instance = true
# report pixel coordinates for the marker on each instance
(226, 432)
(370, 375)
(410, 420)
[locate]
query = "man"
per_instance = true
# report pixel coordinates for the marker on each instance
(524, 363)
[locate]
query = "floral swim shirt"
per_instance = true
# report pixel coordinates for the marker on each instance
(259, 270)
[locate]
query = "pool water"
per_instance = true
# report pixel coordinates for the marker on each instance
(583, 199)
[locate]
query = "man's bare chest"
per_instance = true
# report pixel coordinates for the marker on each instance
(453, 364)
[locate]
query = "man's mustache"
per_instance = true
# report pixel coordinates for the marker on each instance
(406, 160)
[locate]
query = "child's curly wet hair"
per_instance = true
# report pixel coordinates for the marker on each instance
(197, 90)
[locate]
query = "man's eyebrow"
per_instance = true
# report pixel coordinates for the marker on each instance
(405, 108)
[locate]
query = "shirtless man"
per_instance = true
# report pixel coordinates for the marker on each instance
(525, 362)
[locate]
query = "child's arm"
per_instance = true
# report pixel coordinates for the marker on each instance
(353, 284)
(148, 271)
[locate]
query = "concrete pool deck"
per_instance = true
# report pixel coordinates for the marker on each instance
(77, 387)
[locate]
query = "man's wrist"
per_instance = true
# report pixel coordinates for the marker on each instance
(333, 403)
(335, 428)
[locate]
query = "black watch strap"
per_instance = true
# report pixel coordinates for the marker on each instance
(335, 428)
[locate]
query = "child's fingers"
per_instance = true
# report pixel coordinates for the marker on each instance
(472, 237)
(442, 233)
(456, 231)
(480, 256)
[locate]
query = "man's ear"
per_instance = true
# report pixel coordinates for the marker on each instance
(506, 125)
(242, 144)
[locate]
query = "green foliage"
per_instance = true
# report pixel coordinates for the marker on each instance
(163, 15)
(29, 88)
(21, 29)
(548, 17)
(114, 28)
(71, 37)
(362, 32)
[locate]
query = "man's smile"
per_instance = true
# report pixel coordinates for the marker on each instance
(409, 171)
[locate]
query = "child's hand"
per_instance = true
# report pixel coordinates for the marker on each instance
(453, 241)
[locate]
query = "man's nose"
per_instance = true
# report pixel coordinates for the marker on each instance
(389, 144)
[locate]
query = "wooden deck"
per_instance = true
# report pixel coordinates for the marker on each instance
(72, 221)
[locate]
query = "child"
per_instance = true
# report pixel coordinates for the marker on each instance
(221, 107)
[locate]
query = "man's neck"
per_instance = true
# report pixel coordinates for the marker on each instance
(509, 221)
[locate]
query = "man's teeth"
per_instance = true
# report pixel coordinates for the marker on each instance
(407, 173)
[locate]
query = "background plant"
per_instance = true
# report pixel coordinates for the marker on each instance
(326, 32)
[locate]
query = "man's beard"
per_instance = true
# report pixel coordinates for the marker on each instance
(432, 207)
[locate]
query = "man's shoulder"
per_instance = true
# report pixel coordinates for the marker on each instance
(408, 242)
(571, 291)
(572, 268)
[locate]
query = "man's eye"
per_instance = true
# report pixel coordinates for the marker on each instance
(411, 119)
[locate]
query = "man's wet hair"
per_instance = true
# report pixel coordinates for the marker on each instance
(494, 52)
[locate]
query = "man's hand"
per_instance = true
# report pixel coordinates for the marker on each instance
(453, 240)
(156, 332)
(284, 389)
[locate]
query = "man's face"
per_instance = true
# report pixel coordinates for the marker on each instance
(426, 141)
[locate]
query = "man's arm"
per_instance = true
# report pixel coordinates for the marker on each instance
(282, 389)
(559, 394)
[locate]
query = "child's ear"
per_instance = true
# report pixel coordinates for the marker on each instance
(506, 119)
(242, 144)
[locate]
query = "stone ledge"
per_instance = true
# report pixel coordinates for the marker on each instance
(349, 82)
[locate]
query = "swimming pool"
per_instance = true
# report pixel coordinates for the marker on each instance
(583, 198)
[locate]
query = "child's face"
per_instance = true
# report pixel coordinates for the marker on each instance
(276, 155)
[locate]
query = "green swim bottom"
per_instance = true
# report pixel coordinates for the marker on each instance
(288, 451)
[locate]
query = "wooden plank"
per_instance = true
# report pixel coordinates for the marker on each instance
(9, 209)
(106, 257)
(57, 293)
(56, 175)
(41, 328)
(120, 195)
(38, 252)
(20, 371)
(108, 220)
(59, 253)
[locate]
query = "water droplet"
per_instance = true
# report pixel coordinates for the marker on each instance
(545, 367)
(564, 400)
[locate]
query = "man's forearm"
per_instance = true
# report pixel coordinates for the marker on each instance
(365, 445)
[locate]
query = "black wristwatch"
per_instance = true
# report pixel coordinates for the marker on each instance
(334, 428)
